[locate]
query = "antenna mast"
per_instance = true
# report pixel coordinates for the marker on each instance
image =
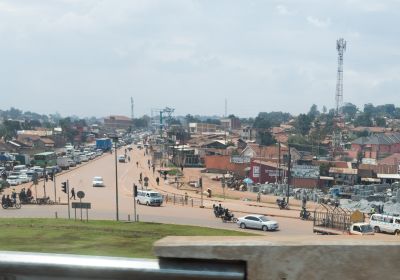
(132, 104)
(340, 47)
(226, 108)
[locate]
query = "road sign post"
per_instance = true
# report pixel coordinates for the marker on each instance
(69, 210)
(80, 195)
(82, 205)
(134, 201)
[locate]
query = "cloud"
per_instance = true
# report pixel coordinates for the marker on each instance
(283, 10)
(320, 23)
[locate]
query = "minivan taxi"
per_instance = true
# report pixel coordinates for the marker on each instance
(385, 223)
(149, 197)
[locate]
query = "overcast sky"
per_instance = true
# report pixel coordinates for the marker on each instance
(87, 57)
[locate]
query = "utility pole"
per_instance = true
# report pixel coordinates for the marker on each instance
(289, 174)
(55, 189)
(279, 163)
(69, 210)
(116, 178)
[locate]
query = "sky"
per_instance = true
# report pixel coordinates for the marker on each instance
(88, 58)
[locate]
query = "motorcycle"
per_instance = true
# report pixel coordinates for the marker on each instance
(27, 200)
(282, 204)
(305, 215)
(229, 217)
(10, 204)
(218, 211)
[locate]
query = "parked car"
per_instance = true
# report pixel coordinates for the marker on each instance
(13, 180)
(72, 163)
(24, 178)
(98, 181)
(385, 223)
(257, 222)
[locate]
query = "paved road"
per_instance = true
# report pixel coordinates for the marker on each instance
(103, 199)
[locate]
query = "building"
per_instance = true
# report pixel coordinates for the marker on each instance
(376, 146)
(118, 122)
(230, 123)
(202, 128)
(227, 163)
(248, 133)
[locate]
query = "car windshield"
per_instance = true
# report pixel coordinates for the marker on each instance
(155, 195)
(264, 219)
(366, 228)
(98, 179)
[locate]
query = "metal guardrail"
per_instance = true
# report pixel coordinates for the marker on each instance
(33, 266)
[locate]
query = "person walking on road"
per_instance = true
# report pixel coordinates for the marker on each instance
(154, 168)
(137, 164)
(158, 181)
(259, 197)
(73, 194)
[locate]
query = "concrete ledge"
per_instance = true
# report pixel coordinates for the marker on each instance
(322, 257)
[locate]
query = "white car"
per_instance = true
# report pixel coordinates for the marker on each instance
(98, 181)
(24, 178)
(121, 158)
(13, 180)
(257, 222)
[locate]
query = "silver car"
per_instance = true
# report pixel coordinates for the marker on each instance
(257, 222)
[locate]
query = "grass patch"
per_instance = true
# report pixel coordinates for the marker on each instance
(102, 238)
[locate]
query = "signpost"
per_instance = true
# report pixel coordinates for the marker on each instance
(80, 195)
(82, 205)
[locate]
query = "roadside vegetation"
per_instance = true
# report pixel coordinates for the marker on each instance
(100, 238)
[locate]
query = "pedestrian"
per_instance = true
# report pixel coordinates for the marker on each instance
(154, 168)
(141, 176)
(14, 196)
(182, 167)
(259, 197)
(186, 198)
(137, 164)
(72, 194)
(158, 181)
(129, 158)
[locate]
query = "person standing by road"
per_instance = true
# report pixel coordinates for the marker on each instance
(73, 194)
(259, 197)
(137, 164)
(158, 181)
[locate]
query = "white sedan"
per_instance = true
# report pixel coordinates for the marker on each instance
(257, 222)
(13, 180)
(98, 182)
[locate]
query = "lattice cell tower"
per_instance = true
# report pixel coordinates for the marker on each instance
(341, 47)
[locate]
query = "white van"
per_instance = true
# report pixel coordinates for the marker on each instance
(149, 197)
(385, 223)
(18, 168)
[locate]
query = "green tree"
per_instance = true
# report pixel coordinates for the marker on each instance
(380, 121)
(313, 112)
(265, 138)
(303, 124)
(349, 110)
(363, 119)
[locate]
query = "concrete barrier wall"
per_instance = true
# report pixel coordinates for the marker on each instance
(322, 257)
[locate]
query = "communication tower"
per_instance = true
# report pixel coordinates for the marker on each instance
(340, 47)
(132, 104)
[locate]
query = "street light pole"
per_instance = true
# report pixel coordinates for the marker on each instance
(289, 175)
(116, 177)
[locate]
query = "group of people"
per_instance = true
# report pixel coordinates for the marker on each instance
(25, 195)
(7, 200)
